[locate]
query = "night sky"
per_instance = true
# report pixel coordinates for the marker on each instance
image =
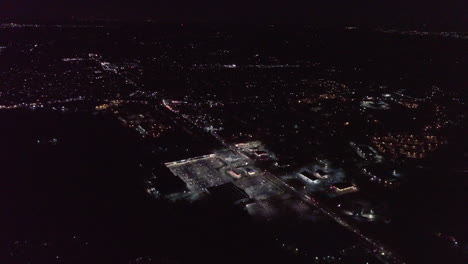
(451, 13)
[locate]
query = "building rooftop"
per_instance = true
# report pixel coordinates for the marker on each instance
(228, 192)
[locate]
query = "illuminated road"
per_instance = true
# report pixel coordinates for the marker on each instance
(41, 105)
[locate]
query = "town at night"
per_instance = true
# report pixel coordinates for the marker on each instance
(145, 140)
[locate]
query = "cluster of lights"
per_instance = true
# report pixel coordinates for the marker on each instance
(408, 146)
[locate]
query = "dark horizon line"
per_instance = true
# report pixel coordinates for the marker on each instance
(261, 22)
